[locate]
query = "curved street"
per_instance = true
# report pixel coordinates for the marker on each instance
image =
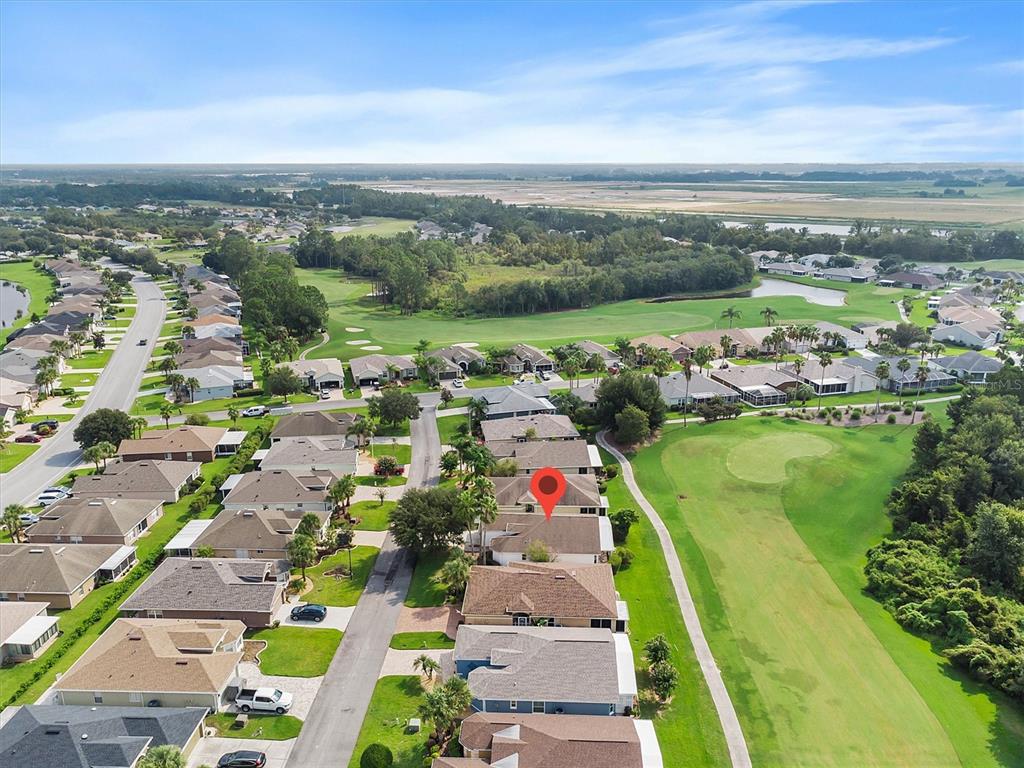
(115, 387)
(738, 754)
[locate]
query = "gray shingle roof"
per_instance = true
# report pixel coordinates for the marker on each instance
(546, 426)
(206, 584)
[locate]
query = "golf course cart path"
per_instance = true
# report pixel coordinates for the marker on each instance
(738, 754)
(330, 732)
(115, 387)
(323, 340)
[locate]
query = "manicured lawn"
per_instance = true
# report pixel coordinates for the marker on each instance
(91, 358)
(771, 521)
(422, 591)
(171, 328)
(340, 590)
(396, 333)
(395, 700)
(38, 284)
(379, 482)
(374, 514)
(272, 727)
(78, 379)
(414, 641)
(446, 426)
(688, 728)
(14, 453)
(402, 453)
(296, 651)
(149, 405)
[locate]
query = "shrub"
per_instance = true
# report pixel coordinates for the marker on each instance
(386, 466)
(376, 756)
(891, 418)
(855, 415)
(919, 408)
(197, 419)
(611, 470)
(252, 392)
(621, 558)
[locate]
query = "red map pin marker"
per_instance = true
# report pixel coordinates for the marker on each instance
(548, 487)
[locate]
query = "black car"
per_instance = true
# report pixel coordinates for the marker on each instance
(311, 612)
(243, 758)
(49, 423)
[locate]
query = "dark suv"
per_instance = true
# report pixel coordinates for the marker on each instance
(243, 758)
(311, 612)
(51, 424)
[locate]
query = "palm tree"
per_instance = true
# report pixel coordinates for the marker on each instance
(921, 376)
(342, 491)
(661, 362)
(233, 414)
(173, 348)
(427, 666)
(824, 360)
(192, 384)
(477, 410)
(166, 411)
(903, 366)
(730, 314)
(687, 374)
(59, 347)
(454, 572)
(175, 384)
(167, 366)
(290, 347)
(726, 343)
(703, 355)
(77, 338)
(139, 425)
(882, 372)
(12, 520)
(45, 377)
(99, 452)
(770, 315)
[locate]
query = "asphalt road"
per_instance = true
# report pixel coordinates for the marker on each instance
(328, 736)
(116, 387)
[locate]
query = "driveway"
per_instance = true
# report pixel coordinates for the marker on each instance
(209, 750)
(302, 689)
(337, 618)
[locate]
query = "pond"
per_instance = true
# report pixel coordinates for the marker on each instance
(13, 303)
(828, 297)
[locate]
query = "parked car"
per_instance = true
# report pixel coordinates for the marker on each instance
(256, 410)
(458, 384)
(30, 438)
(544, 375)
(311, 612)
(58, 489)
(28, 518)
(46, 499)
(325, 394)
(263, 700)
(243, 758)
(51, 424)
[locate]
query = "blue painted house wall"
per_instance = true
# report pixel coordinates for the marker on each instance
(550, 707)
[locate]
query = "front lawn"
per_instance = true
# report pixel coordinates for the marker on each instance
(78, 379)
(416, 641)
(396, 698)
(335, 589)
(91, 358)
(296, 651)
(376, 481)
(373, 514)
(272, 727)
(402, 453)
(447, 426)
(423, 592)
(149, 405)
(14, 453)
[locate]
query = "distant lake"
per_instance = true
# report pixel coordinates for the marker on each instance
(815, 229)
(12, 301)
(828, 297)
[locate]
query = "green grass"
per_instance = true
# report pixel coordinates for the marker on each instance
(374, 514)
(415, 641)
(78, 379)
(397, 333)
(446, 426)
(337, 590)
(14, 453)
(272, 727)
(38, 284)
(482, 380)
(423, 592)
(919, 313)
(688, 728)
(401, 452)
(296, 651)
(91, 358)
(380, 482)
(772, 535)
(395, 700)
(171, 328)
(149, 405)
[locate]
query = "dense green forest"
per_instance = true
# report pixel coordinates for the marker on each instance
(954, 568)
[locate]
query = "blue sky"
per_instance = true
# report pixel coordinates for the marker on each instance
(301, 82)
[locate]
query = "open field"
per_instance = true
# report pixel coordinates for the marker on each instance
(397, 333)
(820, 674)
(378, 225)
(38, 284)
(775, 201)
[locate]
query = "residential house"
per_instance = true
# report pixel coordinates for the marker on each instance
(566, 538)
(591, 348)
(544, 670)
(59, 574)
(1000, 276)
(371, 370)
(915, 280)
(460, 361)
(676, 349)
(183, 443)
(742, 341)
(544, 594)
(260, 534)
(977, 334)
(22, 365)
(25, 631)
(836, 378)
(204, 588)
(758, 385)
(85, 736)
(310, 454)
(320, 374)
(94, 521)
(676, 391)
(149, 479)
(852, 339)
(280, 489)
(791, 268)
(205, 359)
(900, 382)
(532, 359)
(970, 367)
(212, 327)
(519, 429)
(213, 344)
(848, 274)
(157, 663)
(870, 331)
(14, 396)
(216, 382)
(313, 424)
(581, 497)
(955, 315)
(517, 400)
(964, 297)
(571, 457)
(497, 740)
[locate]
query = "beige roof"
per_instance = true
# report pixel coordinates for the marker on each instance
(314, 424)
(541, 741)
(212, 320)
(657, 341)
(280, 486)
(15, 614)
(580, 491)
(536, 454)
(267, 529)
(541, 589)
(318, 367)
(92, 517)
(50, 568)
(311, 452)
(183, 438)
(150, 655)
(203, 358)
(546, 426)
(576, 534)
(122, 478)
(693, 339)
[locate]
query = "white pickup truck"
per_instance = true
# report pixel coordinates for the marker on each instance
(263, 700)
